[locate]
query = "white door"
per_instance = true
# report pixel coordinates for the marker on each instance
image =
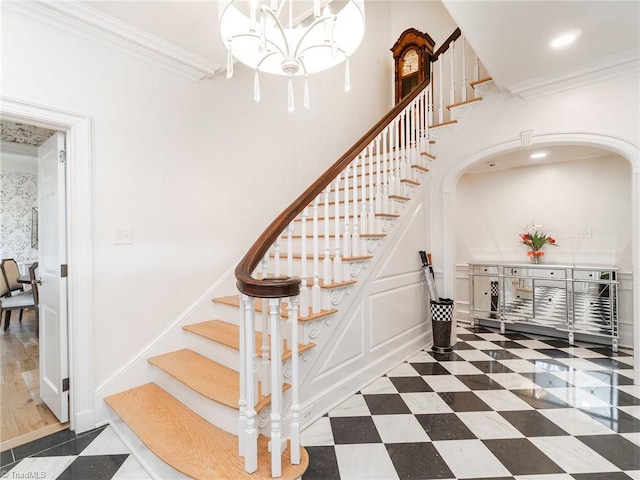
(52, 254)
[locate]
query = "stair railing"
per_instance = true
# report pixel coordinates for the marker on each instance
(286, 268)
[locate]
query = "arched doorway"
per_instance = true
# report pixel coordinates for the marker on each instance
(614, 145)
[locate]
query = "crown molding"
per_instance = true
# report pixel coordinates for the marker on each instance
(594, 71)
(116, 34)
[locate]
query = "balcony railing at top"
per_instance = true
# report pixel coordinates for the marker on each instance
(353, 201)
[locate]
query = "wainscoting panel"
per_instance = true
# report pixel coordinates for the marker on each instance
(394, 312)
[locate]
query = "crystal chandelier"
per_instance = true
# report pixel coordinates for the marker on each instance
(291, 37)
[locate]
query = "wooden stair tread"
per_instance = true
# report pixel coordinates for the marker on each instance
(187, 442)
(410, 182)
(466, 102)
(229, 334)
(205, 376)
(234, 301)
(478, 82)
(450, 122)
(403, 198)
(420, 167)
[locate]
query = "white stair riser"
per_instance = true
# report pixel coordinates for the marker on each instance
(215, 413)
(222, 354)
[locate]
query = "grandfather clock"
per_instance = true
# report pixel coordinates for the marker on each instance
(412, 55)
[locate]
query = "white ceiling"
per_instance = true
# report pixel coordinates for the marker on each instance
(510, 36)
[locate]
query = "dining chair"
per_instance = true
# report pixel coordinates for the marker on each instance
(22, 300)
(11, 274)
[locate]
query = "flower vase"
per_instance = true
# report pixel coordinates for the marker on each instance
(535, 256)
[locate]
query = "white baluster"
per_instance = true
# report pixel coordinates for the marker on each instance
(404, 170)
(364, 222)
(412, 134)
(250, 446)
(315, 290)
(452, 89)
(465, 82)
(355, 236)
(429, 118)
(431, 87)
(265, 265)
(392, 157)
(385, 176)
(371, 217)
(276, 250)
(295, 400)
(440, 90)
(290, 250)
(304, 291)
(378, 196)
(476, 68)
(326, 262)
(337, 259)
(346, 235)
(276, 388)
(264, 350)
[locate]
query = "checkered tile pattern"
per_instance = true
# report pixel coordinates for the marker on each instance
(95, 455)
(500, 406)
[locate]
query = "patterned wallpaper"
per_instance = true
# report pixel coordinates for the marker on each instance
(22, 133)
(18, 195)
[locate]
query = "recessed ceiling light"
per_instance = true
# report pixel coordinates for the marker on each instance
(564, 40)
(538, 155)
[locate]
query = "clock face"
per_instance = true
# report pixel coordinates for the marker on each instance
(410, 63)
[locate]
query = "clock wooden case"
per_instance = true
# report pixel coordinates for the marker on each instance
(411, 54)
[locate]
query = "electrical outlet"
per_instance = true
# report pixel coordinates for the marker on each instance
(122, 235)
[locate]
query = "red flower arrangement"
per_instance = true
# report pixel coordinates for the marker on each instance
(536, 241)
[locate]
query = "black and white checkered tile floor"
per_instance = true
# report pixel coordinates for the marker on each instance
(509, 406)
(95, 455)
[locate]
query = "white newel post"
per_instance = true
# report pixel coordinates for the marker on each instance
(276, 387)
(250, 442)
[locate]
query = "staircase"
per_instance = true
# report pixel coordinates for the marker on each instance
(220, 408)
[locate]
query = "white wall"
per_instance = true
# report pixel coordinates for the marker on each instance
(196, 169)
(567, 198)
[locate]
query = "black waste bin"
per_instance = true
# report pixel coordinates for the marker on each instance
(441, 313)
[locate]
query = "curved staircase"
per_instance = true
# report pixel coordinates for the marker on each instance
(213, 408)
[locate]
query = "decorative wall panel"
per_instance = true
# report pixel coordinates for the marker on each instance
(18, 197)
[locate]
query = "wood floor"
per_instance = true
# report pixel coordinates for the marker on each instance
(23, 416)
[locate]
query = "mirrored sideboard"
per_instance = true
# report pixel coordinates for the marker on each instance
(559, 300)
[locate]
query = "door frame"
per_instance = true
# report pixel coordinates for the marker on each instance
(79, 247)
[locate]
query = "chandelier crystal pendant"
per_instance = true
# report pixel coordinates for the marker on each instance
(291, 37)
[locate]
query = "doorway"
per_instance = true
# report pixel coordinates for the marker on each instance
(79, 247)
(25, 414)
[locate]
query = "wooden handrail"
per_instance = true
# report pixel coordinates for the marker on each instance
(279, 287)
(447, 43)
